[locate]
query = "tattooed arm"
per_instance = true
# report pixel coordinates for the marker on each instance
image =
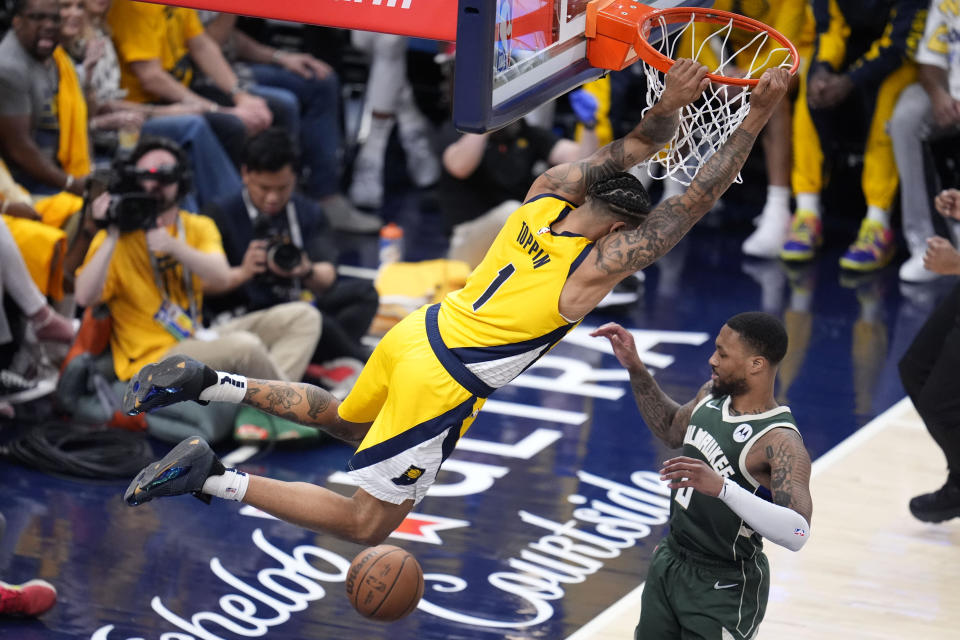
(625, 252)
(618, 254)
(304, 404)
(781, 451)
(665, 418)
(684, 84)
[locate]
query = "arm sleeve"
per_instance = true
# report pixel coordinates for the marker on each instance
(777, 524)
(897, 44)
(933, 49)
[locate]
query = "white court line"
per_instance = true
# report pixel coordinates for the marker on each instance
(827, 460)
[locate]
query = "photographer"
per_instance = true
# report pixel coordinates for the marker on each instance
(280, 246)
(152, 265)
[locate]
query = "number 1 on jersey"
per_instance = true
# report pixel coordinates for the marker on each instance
(502, 276)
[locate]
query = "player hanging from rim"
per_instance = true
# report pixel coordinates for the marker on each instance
(583, 227)
(709, 578)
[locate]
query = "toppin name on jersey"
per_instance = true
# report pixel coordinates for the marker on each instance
(528, 243)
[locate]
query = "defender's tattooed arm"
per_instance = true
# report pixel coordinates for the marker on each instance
(781, 454)
(665, 418)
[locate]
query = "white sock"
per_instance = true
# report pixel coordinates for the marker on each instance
(879, 215)
(809, 202)
(232, 485)
(801, 301)
(778, 197)
(230, 387)
(375, 145)
(409, 119)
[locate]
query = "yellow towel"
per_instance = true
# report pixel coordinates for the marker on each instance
(74, 150)
(407, 286)
(43, 249)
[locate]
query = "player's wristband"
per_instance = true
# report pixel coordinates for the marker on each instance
(231, 485)
(230, 387)
(777, 524)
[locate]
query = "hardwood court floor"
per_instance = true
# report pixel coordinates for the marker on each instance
(870, 570)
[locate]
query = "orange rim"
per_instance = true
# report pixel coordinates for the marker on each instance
(675, 15)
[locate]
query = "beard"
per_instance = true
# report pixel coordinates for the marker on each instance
(731, 387)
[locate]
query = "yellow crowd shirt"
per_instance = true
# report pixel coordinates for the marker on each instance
(143, 31)
(130, 291)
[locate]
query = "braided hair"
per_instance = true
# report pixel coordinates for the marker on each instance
(624, 196)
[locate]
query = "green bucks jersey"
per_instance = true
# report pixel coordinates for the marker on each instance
(703, 523)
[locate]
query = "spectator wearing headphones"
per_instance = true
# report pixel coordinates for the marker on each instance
(153, 263)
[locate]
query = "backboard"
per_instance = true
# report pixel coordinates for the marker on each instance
(514, 55)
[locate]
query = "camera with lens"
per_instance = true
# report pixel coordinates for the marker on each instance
(281, 251)
(131, 208)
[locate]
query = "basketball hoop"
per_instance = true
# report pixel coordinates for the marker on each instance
(735, 48)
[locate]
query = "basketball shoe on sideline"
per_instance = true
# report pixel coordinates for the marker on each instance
(806, 236)
(773, 229)
(872, 250)
(912, 270)
(942, 504)
(343, 216)
(183, 470)
(33, 598)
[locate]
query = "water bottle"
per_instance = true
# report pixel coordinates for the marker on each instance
(391, 243)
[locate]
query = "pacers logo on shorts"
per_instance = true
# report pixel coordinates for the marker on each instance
(408, 477)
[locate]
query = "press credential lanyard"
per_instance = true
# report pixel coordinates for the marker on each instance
(187, 279)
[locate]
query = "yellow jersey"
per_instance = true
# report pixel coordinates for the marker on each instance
(144, 31)
(507, 314)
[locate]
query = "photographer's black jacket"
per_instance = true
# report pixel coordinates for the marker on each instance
(237, 229)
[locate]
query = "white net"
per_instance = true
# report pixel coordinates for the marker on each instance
(726, 49)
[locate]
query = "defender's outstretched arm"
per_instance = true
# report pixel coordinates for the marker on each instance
(666, 418)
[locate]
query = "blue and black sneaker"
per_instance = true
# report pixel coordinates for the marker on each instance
(183, 470)
(173, 379)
